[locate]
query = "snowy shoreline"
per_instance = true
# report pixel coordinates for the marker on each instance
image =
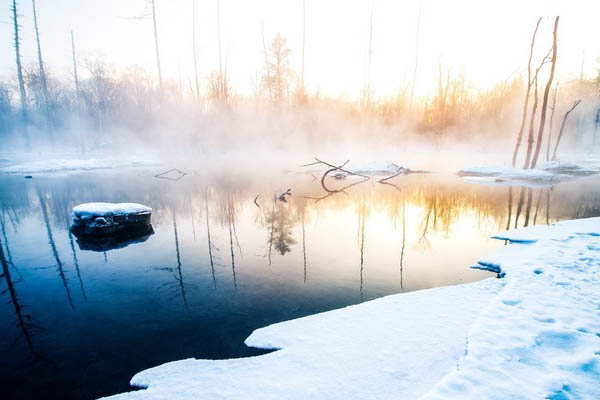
(533, 334)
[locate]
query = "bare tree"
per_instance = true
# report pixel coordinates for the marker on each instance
(75, 76)
(538, 145)
(194, 48)
(562, 127)
(369, 62)
(553, 108)
(43, 81)
(414, 79)
(527, 93)
(533, 113)
(17, 44)
(302, 92)
(156, 46)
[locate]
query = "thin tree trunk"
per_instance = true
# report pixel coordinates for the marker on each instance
(531, 123)
(23, 94)
(596, 124)
(414, 79)
(303, 44)
(77, 93)
(368, 88)
(194, 47)
(538, 145)
(529, 83)
(221, 90)
(553, 108)
(43, 79)
(562, 127)
(156, 46)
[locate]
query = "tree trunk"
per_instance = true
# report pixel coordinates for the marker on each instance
(43, 80)
(553, 108)
(414, 78)
(303, 45)
(194, 46)
(221, 90)
(156, 46)
(22, 92)
(368, 86)
(77, 95)
(538, 145)
(531, 123)
(529, 83)
(562, 127)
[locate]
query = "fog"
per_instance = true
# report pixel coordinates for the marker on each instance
(131, 113)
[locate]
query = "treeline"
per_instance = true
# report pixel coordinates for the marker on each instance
(107, 105)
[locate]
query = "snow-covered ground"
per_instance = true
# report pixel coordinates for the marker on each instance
(67, 163)
(534, 334)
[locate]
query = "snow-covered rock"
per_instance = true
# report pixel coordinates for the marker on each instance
(533, 335)
(103, 218)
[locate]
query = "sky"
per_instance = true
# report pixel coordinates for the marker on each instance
(487, 41)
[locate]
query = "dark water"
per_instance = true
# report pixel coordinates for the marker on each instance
(78, 323)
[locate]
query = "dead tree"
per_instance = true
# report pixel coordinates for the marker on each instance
(303, 45)
(562, 127)
(414, 78)
(17, 44)
(368, 86)
(533, 112)
(531, 123)
(527, 93)
(596, 124)
(222, 79)
(553, 108)
(194, 48)
(156, 47)
(540, 136)
(43, 79)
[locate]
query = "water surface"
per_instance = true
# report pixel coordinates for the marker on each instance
(78, 320)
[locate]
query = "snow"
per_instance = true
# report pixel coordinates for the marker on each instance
(548, 172)
(376, 167)
(508, 173)
(540, 338)
(534, 334)
(89, 210)
(68, 164)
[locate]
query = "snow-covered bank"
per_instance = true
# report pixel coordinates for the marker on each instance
(540, 338)
(533, 335)
(69, 164)
(548, 172)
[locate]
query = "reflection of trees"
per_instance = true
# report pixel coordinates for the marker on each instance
(361, 230)
(177, 286)
(211, 246)
(59, 263)
(24, 322)
(403, 241)
(281, 222)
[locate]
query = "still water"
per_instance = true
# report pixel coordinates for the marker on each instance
(78, 320)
